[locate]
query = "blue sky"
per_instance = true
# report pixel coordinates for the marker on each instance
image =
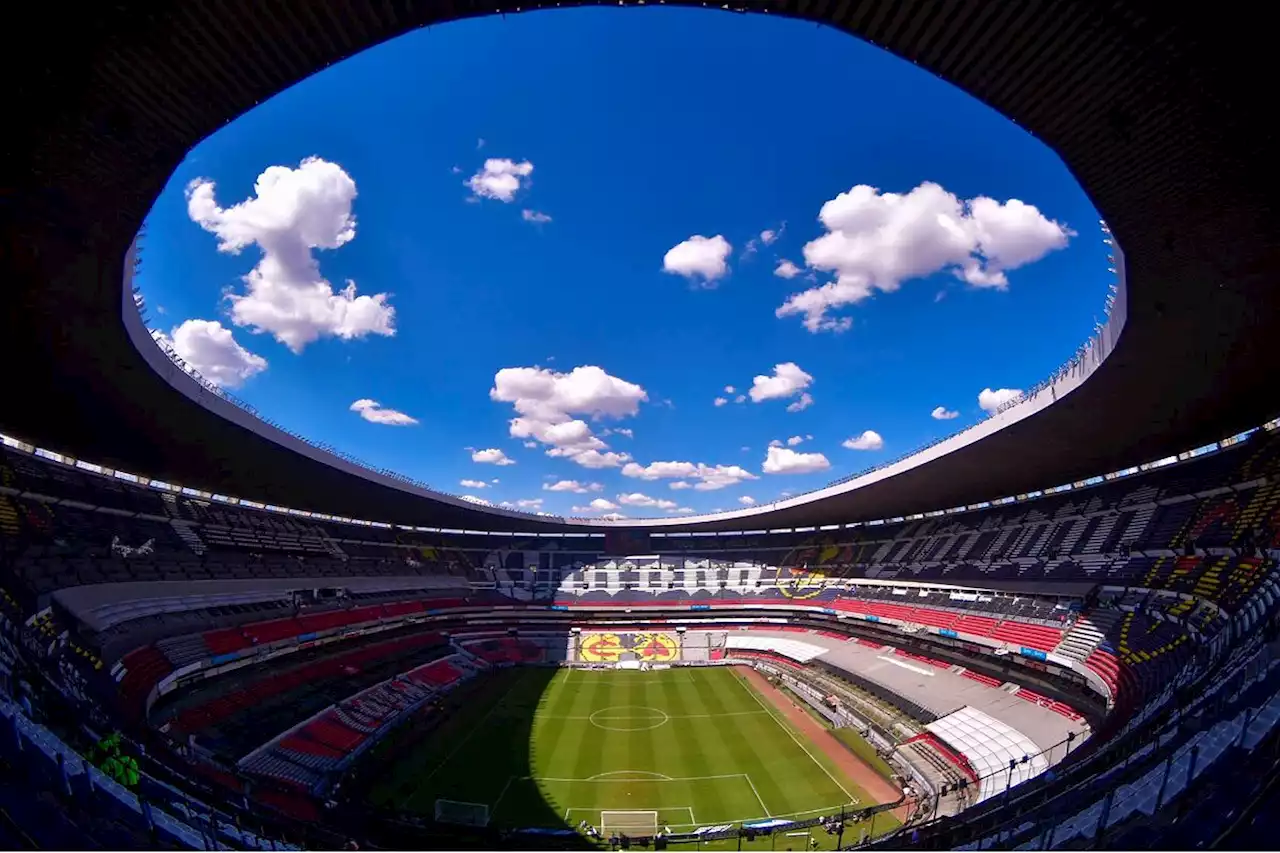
(636, 131)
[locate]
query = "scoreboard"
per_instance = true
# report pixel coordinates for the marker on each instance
(625, 543)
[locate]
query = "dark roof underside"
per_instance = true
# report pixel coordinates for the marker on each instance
(1152, 106)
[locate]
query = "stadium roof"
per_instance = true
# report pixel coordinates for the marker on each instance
(1148, 104)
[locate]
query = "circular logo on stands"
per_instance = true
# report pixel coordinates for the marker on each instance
(802, 584)
(601, 648)
(656, 648)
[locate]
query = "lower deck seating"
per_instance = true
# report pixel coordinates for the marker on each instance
(200, 717)
(506, 650)
(143, 669)
(1045, 702)
(439, 673)
(1035, 636)
(922, 659)
(981, 679)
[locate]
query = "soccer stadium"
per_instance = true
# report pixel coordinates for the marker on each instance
(1054, 626)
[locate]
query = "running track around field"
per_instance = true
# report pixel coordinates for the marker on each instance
(854, 768)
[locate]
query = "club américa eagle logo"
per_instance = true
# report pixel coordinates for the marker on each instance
(646, 647)
(801, 583)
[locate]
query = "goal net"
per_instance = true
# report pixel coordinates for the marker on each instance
(639, 824)
(463, 814)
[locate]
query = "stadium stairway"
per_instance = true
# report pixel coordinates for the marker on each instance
(940, 774)
(185, 532)
(1087, 634)
(10, 524)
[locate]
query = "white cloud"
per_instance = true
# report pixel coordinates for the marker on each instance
(991, 400)
(531, 503)
(719, 401)
(803, 402)
(494, 481)
(613, 516)
(535, 216)
(777, 442)
(741, 398)
(728, 389)
(592, 458)
(572, 486)
(682, 510)
(597, 505)
(372, 412)
(499, 178)
(797, 439)
(784, 460)
(475, 500)
(699, 258)
(212, 351)
(531, 444)
(291, 213)
(786, 269)
(747, 500)
(491, 456)
(876, 241)
(943, 414)
(638, 499)
(869, 440)
(787, 380)
(708, 477)
(680, 484)
(770, 235)
(473, 484)
(546, 401)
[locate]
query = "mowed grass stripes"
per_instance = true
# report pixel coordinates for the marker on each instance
(544, 747)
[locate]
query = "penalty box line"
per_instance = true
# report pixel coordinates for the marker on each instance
(693, 820)
(610, 777)
(830, 810)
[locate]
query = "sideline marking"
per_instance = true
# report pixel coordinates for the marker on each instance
(493, 809)
(759, 799)
(786, 728)
(460, 744)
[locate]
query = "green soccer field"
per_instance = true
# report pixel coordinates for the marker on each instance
(624, 750)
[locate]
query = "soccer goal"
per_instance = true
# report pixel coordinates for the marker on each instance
(630, 823)
(463, 814)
